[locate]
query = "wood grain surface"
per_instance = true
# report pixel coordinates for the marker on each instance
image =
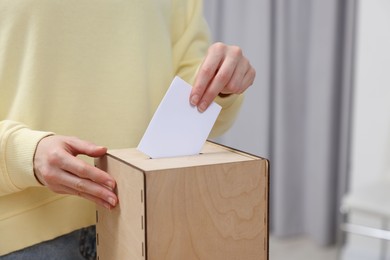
(121, 231)
(209, 206)
(209, 212)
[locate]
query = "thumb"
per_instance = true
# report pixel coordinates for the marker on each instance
(77, 146)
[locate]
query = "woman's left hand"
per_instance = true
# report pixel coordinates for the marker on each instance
(225, 70)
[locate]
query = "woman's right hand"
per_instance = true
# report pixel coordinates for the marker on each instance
(57, 167)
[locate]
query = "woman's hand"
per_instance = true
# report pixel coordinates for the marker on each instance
(224, 71)
(57, 167)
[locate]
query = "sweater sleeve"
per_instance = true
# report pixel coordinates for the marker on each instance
(191, 39)
(17, 147)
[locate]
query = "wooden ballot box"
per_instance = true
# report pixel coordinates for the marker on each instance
(208, 206)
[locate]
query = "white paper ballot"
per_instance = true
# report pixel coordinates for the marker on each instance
(178, 128)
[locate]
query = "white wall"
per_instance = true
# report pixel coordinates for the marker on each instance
(371, 122)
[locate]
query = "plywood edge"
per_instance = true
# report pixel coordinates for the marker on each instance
(267, 196)
(237, 151)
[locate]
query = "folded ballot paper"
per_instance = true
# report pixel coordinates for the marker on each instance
(178, 128)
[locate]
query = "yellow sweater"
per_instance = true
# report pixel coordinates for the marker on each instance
(93, 69)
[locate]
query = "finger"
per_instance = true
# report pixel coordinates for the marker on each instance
(84, 170)
(206, 72)
(77, 146)
(65, 183)
(91, 188)
(248, 78)
(99, 201)
(236, 84)
(219, 82)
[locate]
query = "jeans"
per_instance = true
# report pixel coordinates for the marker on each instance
(78, 245)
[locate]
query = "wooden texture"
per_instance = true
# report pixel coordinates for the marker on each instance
(210, 206)
(121, 231)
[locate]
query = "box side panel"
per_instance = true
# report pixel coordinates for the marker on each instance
(121, 231)
(216, 212)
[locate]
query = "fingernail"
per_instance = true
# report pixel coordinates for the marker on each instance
(101, 148)
(202, 107)
(194, 100)
(110, 185)
(111, 201)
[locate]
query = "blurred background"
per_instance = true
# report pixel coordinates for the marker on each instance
(320, 111)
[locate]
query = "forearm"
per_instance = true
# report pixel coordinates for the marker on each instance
(191, 44)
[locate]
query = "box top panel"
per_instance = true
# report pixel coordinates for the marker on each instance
(211, 153)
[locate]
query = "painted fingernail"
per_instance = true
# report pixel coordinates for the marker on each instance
(194, 100)
(202, 107)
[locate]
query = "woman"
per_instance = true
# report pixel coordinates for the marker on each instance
(96, 70)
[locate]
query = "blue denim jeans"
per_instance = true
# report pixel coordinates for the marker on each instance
(78, 245)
